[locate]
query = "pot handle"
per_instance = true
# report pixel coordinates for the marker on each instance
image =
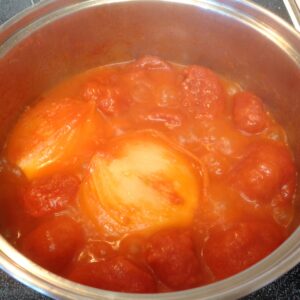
(293, 8)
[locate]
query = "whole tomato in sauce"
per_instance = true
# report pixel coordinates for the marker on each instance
(232, 249)
(50, 194)
(249, 114)
(116, 274)
(264, 171)
(202, 92)
(54, 243)
(150, 83)
(172, 257)
(14, 223)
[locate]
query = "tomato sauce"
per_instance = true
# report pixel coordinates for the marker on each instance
(147, 177)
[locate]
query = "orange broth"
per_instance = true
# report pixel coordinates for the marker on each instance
(147, 177)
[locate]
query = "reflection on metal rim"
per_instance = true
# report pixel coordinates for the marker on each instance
(293, 8)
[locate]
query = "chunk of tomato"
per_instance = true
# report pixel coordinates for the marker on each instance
(117, 274)
(231, 250)
(54, 243)
(172, 257)
(249, 114)
(203, 92)
(107, 97)
(50, 194)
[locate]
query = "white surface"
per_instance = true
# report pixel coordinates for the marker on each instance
(293, 8)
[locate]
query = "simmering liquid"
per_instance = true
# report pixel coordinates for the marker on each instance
(147, 177)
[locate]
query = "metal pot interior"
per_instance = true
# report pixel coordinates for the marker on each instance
(234, 38)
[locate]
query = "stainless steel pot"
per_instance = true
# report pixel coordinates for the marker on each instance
(233, 37)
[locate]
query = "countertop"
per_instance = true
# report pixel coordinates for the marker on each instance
(286, 287)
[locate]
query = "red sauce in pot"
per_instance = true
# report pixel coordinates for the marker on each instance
(147, 177)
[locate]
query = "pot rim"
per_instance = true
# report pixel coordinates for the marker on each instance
(267, 270)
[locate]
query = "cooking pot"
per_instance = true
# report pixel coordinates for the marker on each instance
(237, 39)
